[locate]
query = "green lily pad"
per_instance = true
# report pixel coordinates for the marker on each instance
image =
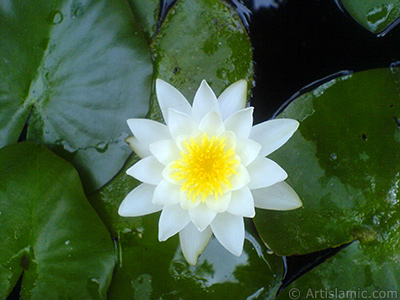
(149, 269)
(146, 13)
(374, 15)
(343, 162)
(79, 69)
(195, 65)
(49, 232)
(214, 46)
(357, 272)
(202, 40)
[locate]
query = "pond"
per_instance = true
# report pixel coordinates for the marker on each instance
(319, 218)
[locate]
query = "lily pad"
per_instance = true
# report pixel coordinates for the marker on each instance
(147, 13)
(49, 232)
(238, 65)
(149, 269)
(77, 69)
(377, 16)
(214, 46)
(357, 272)
(202, 40)
(343, 162)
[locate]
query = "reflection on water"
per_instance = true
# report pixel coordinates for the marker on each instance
(215, 265)
(260, 4)
(392, 199)
(224, 264)
(379, 15)
(243, 12)
(165, 6)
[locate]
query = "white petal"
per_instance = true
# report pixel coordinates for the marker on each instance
(233, 98)
(141, 150)
(221, 204)
(172, 220)
(165, 151)
(230, 139)
(138, 202)
(147, 170)
(229, 230)
(273, 134)
(242, 203)
(279, 196)
(248, 151)
(166, 193)
(193, 242)
(167, 172)
(241, 179)
(212, 124)
(204, 102)
(180, 124)
(265, 172)
(188, 203)
(240, 122)
(148, 131)
(202, 216)
(169, 97)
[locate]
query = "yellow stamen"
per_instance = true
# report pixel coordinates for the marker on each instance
(205, 167)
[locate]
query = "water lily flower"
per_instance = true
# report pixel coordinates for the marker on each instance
(206, 168)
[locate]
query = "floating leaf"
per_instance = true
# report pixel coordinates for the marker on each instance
(79, 69)
(146, 13)
(237, 64)
(49, 232)
(343, 162)
(198, 40)
(202, 40)
(149, 269)
(375, 15)
(359, 271)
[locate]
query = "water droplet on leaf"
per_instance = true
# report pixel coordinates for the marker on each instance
(79, 12)
(58, 18)
(102, 147)
(54, 17)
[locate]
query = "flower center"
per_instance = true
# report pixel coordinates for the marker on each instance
(205, 167)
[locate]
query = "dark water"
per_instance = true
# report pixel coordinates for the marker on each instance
(299, 42)
(299, 45)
